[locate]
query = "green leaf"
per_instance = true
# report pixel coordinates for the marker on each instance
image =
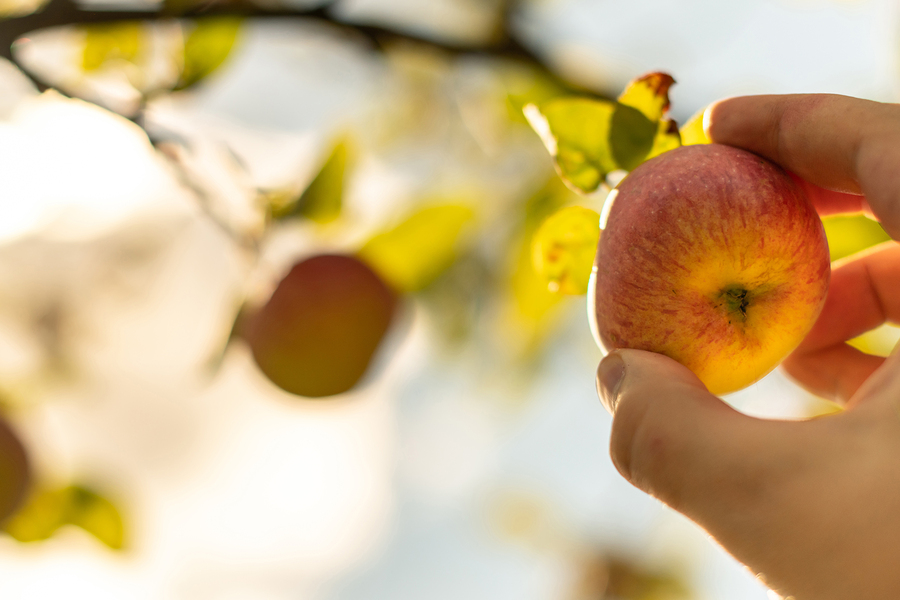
(206, 48)
(49, 509)
(414, 253)
(649, 94)
(589, 138)
(111, 41)
(631, 136)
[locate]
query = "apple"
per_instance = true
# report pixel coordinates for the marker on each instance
(15, 472)
(319, 330)
(712, 256)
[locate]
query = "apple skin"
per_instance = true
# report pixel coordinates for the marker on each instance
(15, 471)
(714, 257)
(320, 329)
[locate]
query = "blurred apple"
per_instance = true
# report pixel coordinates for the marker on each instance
(15, 473)
(713, 256)
(321, 327)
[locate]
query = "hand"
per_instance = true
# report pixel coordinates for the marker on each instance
(813, 506)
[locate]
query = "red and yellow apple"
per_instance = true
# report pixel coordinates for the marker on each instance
(714, 257)
(15, 471)
(321, 327)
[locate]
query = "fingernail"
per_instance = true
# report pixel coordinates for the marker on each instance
(610, 374)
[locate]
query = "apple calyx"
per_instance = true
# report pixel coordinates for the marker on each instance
(736, 299)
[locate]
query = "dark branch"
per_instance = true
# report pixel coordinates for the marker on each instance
(66, 12)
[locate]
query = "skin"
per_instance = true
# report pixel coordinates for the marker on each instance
(812, 506)
(722, 260)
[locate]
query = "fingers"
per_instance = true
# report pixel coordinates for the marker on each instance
(834, 373)
(676, 441)
(882, 387)
(835, 142)
(864, 293)
(830, 202)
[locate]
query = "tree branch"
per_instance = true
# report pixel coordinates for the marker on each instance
(66, 12)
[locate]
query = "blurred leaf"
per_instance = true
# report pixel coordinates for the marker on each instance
(563, 249)
(545, 201)
(649, 94)
(527, 86)
(533, 300)
(206, 48)
(456, 300)
(414, 253)
(632, 582)
(850, 234)
(43, 513)
(112, 41)
(48, 510)
(96, 515)
(692, 131)
(529, 300)
(323, 198)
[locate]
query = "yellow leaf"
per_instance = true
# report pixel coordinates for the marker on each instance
(649, 94)
(563, 249)
(206, 48)
(667, 138)
(533, 300)
(692, 131)
(96, 515)
(323, 199)
(43, 513)
(49, 509)
(111, 41)
(414, 253)
(849, 234)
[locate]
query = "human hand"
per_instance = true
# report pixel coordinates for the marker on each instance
(812, 506)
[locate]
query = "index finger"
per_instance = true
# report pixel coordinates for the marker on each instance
(844, 145)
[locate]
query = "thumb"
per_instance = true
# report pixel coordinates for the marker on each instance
(674, 440)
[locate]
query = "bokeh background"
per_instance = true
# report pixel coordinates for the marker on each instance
(155, 186)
